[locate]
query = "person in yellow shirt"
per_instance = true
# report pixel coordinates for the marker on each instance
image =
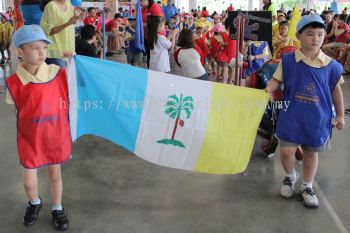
(281, 40)
(275, 26)
(58, 20)
(6, 37)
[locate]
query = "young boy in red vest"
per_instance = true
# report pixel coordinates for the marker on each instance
(311, 86)
(40, 94)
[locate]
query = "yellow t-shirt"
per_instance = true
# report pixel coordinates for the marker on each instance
(320, 61)
(8, 32)
(290, 42)
(275, 30)
(52, 17)
(2, 32)
(45, 73)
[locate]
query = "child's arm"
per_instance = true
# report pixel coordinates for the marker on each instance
(276, 80)
(338, 101)
(272, 86)
(339, 31)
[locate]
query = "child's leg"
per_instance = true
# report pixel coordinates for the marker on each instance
(288, 163)
(3, 58)
(54, 173)
(223, 74)
(30, 184)
(310, 162)
(59, 214)
(218, 71)
(288, 158)
(8, 49)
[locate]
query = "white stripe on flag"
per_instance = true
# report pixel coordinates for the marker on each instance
(156, 125)
(73, 98)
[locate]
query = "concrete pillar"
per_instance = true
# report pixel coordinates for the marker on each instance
(113, 5)
(250, 5)
(192, 4)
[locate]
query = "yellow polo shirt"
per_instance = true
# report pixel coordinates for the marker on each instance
(320, 61)
(45, 73)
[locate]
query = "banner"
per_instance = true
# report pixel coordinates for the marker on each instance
(258, 25)
(165, 119)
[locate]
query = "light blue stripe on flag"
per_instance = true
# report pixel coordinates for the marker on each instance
(110, 100)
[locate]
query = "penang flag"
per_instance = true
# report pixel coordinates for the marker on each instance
(165, 119)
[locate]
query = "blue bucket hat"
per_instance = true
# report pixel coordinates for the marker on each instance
(308, 19)
(28, 34)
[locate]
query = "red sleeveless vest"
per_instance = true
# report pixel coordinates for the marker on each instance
(43, 133)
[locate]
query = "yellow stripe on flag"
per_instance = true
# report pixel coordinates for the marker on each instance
(234, 117)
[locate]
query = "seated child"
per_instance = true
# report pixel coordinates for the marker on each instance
(341, 31)
(87, 46)
(281, 40)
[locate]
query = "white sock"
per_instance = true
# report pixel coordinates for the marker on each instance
(292, 175)
(56, 207)
(36, 202)
(306, 184)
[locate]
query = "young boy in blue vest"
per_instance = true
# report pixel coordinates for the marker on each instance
(40, 94)
(311, 86)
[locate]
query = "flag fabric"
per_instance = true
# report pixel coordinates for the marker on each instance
(296, 17)
(139, 35)
(163, 118)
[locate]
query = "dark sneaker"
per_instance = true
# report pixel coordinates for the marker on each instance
(60, 219)
(309, 198)
(347, 111)
(31, 214)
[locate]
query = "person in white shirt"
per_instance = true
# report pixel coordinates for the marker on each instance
(159, 44)
(190, 57)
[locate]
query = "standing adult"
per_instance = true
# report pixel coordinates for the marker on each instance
(31, 11)
(169, 10)
(269, 6)
(58, 22)
(149, 8)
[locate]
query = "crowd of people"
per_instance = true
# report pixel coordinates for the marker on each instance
(202, 47)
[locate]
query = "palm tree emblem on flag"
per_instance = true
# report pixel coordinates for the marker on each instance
(174, 107)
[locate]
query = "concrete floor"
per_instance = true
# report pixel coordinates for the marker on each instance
(107, 189)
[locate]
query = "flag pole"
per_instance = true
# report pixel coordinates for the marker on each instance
(238, 38)
(243, 19)
(103, 35)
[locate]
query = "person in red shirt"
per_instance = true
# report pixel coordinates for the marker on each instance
(149, 8)
(341, 31)
(204, 12)
(115, 36)
(230, 8)
(200, 40)
(91, 18)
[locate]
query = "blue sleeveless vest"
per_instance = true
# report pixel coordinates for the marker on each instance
(258, 63)
(308, 119)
